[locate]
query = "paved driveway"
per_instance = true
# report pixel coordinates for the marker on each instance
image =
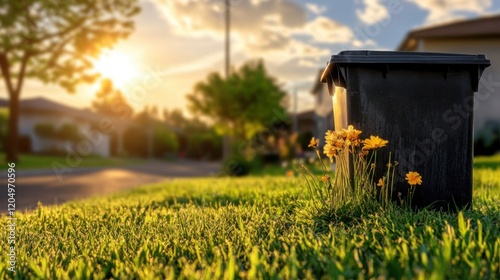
(44, 186)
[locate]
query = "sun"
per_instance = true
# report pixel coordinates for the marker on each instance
(116, 66)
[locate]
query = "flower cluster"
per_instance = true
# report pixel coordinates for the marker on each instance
(353, 177)
(337, 140)
(347, 138)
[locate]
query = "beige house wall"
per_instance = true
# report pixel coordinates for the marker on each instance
(27, 123)
(488, 97)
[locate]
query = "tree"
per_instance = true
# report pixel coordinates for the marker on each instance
(241, 104)
(164, 141)
(111, 102)
(54, 41)
(148, 136)
(175, 118)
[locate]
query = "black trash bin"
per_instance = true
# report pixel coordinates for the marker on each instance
(423, 104)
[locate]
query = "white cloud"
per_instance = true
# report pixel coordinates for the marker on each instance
(308, 63)
(326, 30)
(442, 10)
(265, 27)
(206, 17)
(374, 12)
(316, 9)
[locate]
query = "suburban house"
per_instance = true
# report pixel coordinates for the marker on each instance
(42, 111)
(476, 36)
(323, 108)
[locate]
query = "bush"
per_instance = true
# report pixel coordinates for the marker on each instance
(304, 139)
(237, 166)
(136, 141)
(69, 132)
(204, 145)
(45, 130)
(487, 141)
(165, 141)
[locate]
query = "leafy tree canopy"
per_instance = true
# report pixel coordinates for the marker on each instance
(54, 41)
(241, 104)
(110, 101)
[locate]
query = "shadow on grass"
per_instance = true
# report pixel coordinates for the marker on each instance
(399, 219)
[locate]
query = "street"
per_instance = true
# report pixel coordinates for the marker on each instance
(44, 186)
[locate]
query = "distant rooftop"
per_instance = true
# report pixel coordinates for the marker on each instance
(47, 106)
(488, 26)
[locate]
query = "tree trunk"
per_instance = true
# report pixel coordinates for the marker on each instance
(14, 93)
(12, 134)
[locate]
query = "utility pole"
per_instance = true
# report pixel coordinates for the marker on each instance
(227, 141)
(295, 117)
(228, 19)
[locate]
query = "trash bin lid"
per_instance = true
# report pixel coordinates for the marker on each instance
(346, 58)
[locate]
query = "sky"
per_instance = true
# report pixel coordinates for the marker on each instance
(177, 43)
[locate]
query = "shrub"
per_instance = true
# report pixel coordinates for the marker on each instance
(304, 138)
(204, 145)
(165, 141)
(45, 130)
(135, 141)
(237, 166)
(487, 140)
(68, 132)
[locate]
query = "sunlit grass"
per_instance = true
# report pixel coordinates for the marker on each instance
(253, 228)
(487, 161)
(33, 161)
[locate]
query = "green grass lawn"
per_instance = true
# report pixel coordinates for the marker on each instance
(487, 162)
(31, 161)
(252, 228)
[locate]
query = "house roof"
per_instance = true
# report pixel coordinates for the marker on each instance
(487, 26)
(46, 106)
(43, 105)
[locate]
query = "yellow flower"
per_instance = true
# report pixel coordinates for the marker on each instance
(331, 137)
(351, 133)
(325, 178)
(289, 173)
(381, 182)
(342, 134)
(356, 142)
(374, 142)
(413, 178)
(314, 143)
(340, 143)
(348, 142)
(330, 151)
